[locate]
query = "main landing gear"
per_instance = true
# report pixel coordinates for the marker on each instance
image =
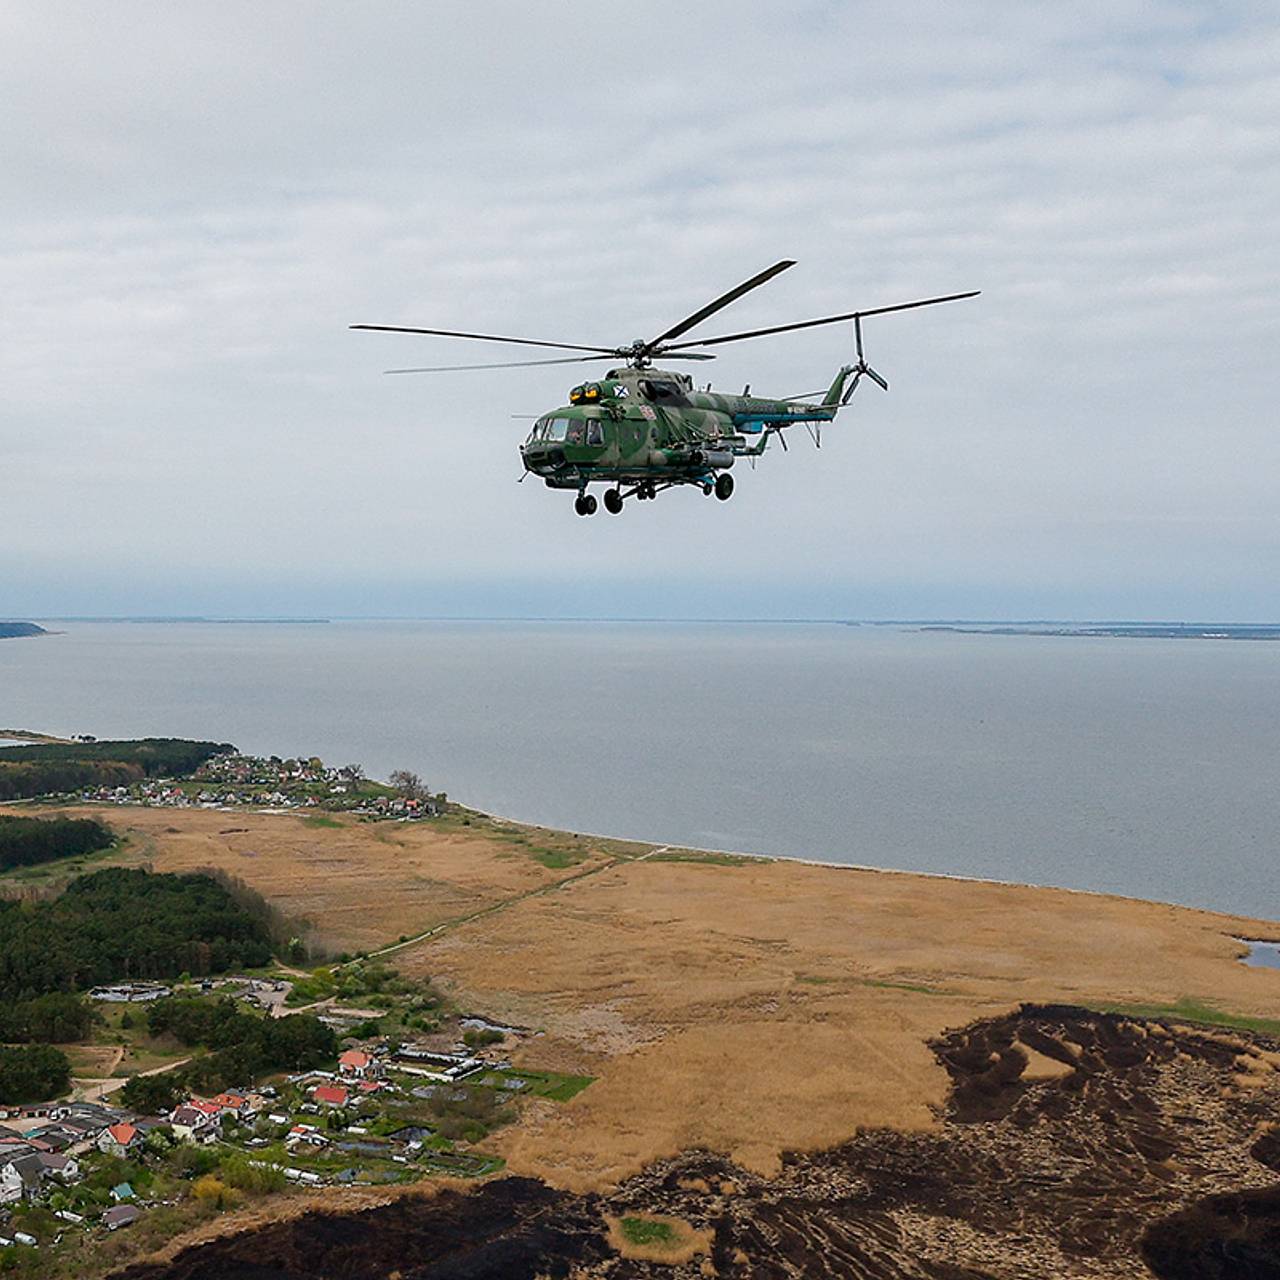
(585, 504)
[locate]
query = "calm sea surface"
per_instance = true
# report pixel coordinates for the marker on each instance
(1142, 767)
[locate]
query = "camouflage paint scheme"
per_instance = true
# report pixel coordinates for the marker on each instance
(650, 429)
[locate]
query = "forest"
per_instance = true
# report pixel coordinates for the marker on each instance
(125, 923)
(33, 1073)
(25, 842)
(51, 768)
(56, 1018)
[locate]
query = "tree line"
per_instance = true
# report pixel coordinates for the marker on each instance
(45, 768)
(242, 1047)
(33, 1073)
(125, 923)
(24, 842)
(56, 1018)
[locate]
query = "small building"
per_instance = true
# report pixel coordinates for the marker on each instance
(330, 1095)
(192, 1123)
(21, 1175)
(235, 1104)
(119, 1139)
(11, 1185)
(357, 1064)
(121, 1215)
(65, 1169)
(122, 1191)
(130, 992)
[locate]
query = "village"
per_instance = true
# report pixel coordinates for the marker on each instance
(392, 1107)
(234, 780)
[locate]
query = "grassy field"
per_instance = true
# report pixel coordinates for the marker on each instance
(359, 885)
(1198, 1012)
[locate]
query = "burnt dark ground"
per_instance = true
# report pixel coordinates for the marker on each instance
(1148, 1156)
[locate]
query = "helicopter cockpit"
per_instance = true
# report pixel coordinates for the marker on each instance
(559, 429)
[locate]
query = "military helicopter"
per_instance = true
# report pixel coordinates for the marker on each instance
(641, 429)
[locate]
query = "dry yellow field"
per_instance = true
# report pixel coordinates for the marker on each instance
(747, 1008)
(359, 885)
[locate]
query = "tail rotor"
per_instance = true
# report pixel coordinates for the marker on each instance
(861, 366)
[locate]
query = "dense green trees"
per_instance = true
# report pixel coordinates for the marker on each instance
(33, 1073)
(125, 923)
(295, 1042)
(153, 1095)
(52, 767)
(20, 780)
(27, 841)
(56, 1018)
(243, 1045)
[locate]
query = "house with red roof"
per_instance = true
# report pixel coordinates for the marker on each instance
(236, 1103)
(357, 1064)
(330, 1095)
(119, 1139)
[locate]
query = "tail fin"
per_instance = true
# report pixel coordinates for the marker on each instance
(836, 390)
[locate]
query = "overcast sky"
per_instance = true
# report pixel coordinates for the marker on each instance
(196, 200)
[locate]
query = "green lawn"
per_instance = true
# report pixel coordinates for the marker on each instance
(543, 1084)
(711, 859)
(1196, 1010)
(644, 1231)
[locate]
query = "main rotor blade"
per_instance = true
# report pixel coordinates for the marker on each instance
(809, 324)
(483, 337)
(510, 364)
(723, 301)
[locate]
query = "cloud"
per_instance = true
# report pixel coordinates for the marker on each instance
(199, 201)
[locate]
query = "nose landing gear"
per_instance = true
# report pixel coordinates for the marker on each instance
(585, 504)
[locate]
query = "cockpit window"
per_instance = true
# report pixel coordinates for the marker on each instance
(555, 429)
(654, 389)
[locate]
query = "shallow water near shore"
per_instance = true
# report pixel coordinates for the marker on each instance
(1262, 955)
(1135, 766)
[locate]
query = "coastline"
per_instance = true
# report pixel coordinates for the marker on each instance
(946, 876)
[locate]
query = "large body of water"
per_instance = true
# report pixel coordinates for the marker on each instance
(1144, 767)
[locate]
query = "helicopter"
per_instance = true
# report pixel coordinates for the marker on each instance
(641, 430)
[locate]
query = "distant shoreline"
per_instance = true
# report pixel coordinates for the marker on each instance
(21, 630)
(1041, 627)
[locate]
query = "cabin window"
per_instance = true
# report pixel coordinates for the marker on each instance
(574, 434)
(595, 431)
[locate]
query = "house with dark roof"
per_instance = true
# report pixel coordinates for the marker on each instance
(20, 1175)
(65, 1169)
(122, 1215)
(193, 1124)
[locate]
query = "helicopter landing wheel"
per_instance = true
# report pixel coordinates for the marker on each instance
(724, 486)
(612, 501)
(589, 504)
(706, 490)
(580, 504)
